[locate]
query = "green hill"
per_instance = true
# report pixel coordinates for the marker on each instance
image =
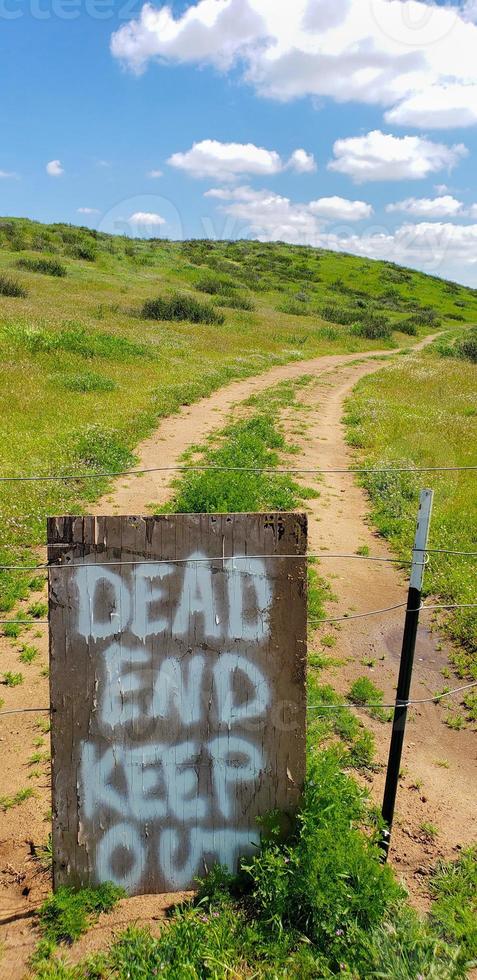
(101, 336)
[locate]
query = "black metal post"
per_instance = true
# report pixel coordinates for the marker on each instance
(406, 664)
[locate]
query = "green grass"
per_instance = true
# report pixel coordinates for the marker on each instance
(76, 353)
(11, 287)
(454, 911)
(421, 412)
(67, 914)
(8, 802)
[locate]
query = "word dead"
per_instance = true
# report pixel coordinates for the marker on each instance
(144, 605)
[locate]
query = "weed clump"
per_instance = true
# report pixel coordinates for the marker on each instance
(235, 302)
(11, 287)
(373, 328)
(86, 381)
(181, 307)
(49, 267)
(67, 914)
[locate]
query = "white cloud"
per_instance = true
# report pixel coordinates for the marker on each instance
(302, 162)
(440, 248)
(8, 174)
(54, 168)
(154, 174)
(437, 107)
(340, 209)
(88, 211)
(445, 206)
(146, 219)
(271, 216)
(414, 58)
(227, 161)
(380, 156)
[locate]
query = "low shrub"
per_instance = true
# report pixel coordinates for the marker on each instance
(408, 327)
(215, 285)
(338, 314)
(236, 302)
(467, 347)
(83, 250)
(49, 267)
(181, 307)
(373, 329)
(11, 287)
(294, 307)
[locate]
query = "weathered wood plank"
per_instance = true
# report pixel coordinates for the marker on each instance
(178, 692)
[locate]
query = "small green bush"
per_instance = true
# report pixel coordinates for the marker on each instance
(408, 327)
(337, 314)
(294, 307)
(49, 267)
(83, 250)
(181, 307)
(67, 914)
(467, 347)
(236, 302)
(215, 285)
(373, 329)
(11, 287)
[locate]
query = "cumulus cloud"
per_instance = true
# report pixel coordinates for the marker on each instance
(54, 168)
(340, 209)
(380, 156)
(445, 206)
(302, 162)
(272, 217)
(88, 211)
(413, 58)
(437, 107)
(146, 219)
(227, 161)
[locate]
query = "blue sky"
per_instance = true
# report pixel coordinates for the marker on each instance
(218, 95)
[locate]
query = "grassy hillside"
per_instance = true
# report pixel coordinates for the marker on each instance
(89, 363)
(421, 411)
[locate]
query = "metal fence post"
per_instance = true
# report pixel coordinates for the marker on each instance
(406, 664)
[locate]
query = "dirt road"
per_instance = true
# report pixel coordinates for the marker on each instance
(439, 763)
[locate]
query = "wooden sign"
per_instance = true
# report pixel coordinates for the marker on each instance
(177, 689)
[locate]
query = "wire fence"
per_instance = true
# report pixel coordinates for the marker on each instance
(203, 467)
(364, 706)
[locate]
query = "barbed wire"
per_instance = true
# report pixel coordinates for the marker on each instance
(44, 478)
(311, 622)
(310, 707)
(184, 561)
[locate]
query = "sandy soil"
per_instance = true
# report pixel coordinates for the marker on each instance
(430, 792)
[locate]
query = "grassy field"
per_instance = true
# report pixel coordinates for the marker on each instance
(422, 411)
(102, 336)
(320, 904)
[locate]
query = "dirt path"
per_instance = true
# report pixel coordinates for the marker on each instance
(337, 523)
